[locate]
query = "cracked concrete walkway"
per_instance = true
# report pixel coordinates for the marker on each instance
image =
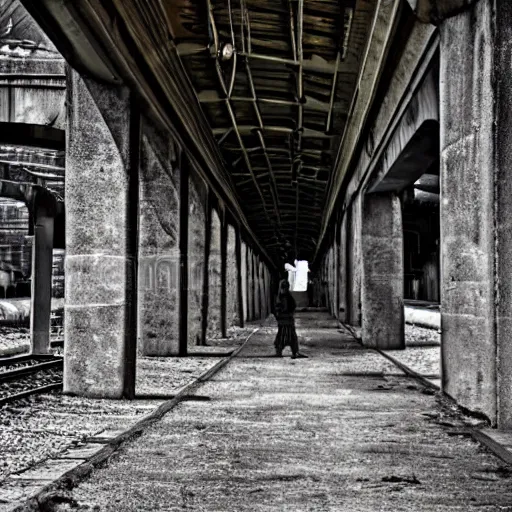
(344, 430)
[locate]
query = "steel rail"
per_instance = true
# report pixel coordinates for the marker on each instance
(30, 370)
(34, 391)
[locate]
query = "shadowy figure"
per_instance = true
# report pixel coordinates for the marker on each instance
(284, 309)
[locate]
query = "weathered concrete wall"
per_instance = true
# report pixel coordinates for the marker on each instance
(214, 273)
(232, 276)
(99, 360)
(503, 207)
(158, 329)
(467, 210)
(398, 96)
(383, 272)
(196, 239)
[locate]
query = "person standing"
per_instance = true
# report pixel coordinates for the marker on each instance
(284, 313)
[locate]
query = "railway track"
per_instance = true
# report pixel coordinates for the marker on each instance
(22, 376)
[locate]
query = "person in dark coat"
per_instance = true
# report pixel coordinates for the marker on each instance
(284, 310)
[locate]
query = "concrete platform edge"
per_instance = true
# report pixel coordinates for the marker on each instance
(485, 437)
(408, 370)
(72, 477)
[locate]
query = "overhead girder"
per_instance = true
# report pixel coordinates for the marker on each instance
(265, 116)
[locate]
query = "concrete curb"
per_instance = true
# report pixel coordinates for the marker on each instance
(73, 476)
(496, 441)
(408, 370)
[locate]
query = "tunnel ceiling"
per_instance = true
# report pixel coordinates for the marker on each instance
(262, 89)
(275, 80)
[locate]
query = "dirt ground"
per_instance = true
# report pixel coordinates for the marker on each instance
(343, 430)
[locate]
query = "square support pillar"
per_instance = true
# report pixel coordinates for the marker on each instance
(159, 243)
(206, 266)
(41, 296)
(476, 211)
(223, 276)
(239, 278)
(101, 238)
(250, 284)
(383, 277)
(244, 277)
(342, 271)
(183, 279)
(354, 262)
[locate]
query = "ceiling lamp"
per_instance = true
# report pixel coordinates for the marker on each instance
(226, 51)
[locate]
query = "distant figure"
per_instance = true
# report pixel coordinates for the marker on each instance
(286, 335)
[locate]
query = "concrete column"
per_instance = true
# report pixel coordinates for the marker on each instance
(232, 309)
(256, 289)
(382, 291)
(342, 271)
(261, 280)
(206, 266)
(183, 305)
(159, 239)
(214, 288)
(223, 276)
(101, 208)
(476, 212)
(354, 262)
(196, 258)
(250, 285)
(41, 297)
(239, 278)
(244, 275)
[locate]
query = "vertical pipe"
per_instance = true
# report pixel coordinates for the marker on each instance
(206, 266)
(183, 297)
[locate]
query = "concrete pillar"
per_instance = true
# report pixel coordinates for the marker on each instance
(101, 209)
(476, 212)
(232, 309)
(41, 297)
(261, 280)
(223, 276)
(205, 307)
(159, 238)
(354, 262)
(214, 288)
(244, 276)
(196, 258)
(183, 298)
(239, 278)
(382, 290)
(250, 285)
(256, 288)
(342, 271)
